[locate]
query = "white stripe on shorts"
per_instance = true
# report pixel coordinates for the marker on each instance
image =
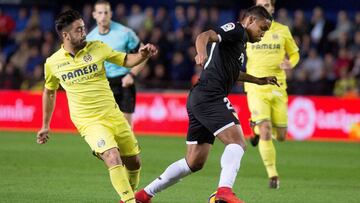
(191, 142)
(223, 128)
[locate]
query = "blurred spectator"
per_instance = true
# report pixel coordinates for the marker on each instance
(346, 86)
(20, 57)
(355, 46)
(342, 62)
(343, 26)
(313, 65)
(214, 17)
(180, 19)
(319, 29)
(36, 82)
(136, 17)
(10, 77)
(162, 19)
(180, 71)
(357, 21)
(149, 19)
(120, 14)
(203, 19)
(300, 27)
(21, 20)
(87, 16)
(284, 18)
(34, 59)
(7, 25)
(34, 19)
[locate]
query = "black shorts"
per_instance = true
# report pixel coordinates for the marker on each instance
(125, 97)
(208, 116)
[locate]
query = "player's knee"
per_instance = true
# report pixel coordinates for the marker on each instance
(196, 166)
(111, 157)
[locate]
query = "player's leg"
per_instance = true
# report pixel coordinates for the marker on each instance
(279, 110)
(129, 150)
(101, 140)
(234, 141)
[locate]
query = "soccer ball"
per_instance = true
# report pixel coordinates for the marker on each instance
(211, 199)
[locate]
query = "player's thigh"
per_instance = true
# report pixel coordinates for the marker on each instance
(259, 106)
(99, 137)
(125, 138)
(232, 135)
(279, 109)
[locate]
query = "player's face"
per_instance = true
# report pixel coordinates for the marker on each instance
(102, 14)
(76, 36)
(267, 5)
(257, 28)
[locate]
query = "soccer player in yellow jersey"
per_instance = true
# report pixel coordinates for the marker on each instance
(79, 67)
(275, 53)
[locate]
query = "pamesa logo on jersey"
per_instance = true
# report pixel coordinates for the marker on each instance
(79, 72)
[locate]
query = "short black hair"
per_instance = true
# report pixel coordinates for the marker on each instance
(258, 11)
(65, 19)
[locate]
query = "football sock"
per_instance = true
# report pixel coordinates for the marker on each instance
(121, 184)
(230, 164)
(268, 155)
(134, 178)
(274, 133)
(170, 176)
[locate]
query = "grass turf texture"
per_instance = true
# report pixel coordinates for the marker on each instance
(63, 170)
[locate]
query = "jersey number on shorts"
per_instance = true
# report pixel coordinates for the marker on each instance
(228, 104)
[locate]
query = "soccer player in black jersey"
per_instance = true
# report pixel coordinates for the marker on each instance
(210, 111)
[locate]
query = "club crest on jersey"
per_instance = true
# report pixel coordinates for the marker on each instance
(87, 58)
(101, 143)
(275, 36)
(228, 27)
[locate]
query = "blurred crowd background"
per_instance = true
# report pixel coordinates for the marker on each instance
(329, 42)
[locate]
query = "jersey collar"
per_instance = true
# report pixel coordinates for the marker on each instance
(66, 53)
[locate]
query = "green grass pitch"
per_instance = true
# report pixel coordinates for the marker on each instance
(63, 170)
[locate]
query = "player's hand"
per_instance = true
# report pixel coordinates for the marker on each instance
(285, 65)
(148, 50)
(271, 80)
(200, 59)
(42, 136)
(127, 81)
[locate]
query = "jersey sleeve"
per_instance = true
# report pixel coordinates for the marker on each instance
(230, 32)
(113, 56)
(290, 44)
(133, 42)
(51, 82)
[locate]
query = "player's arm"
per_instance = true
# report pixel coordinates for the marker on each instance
(271, 80)
(129, 79)
(48, 105)
(292, 52)
(200, 44)
(144, 53)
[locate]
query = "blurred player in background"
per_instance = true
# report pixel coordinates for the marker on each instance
(78, 67)
(275, 53)
(210, 111)
(120, 38)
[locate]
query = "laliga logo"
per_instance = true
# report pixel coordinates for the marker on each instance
(302, 118)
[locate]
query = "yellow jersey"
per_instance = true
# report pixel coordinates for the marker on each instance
(264, 57)
(83, 78)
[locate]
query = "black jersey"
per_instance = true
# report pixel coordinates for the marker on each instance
(225, 60)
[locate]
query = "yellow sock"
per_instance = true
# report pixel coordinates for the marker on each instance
(268, 155)
(274, 133)
(134, 178)
(121, 184)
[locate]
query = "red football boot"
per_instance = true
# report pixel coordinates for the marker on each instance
(142, 197)
(225, 194)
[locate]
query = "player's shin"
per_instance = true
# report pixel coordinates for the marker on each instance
(268, 155)
(230, 164)
(121, 184)
(134, 178)
(170, 176)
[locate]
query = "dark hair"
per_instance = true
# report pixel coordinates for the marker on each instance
(272, 2)
(65, 19)
(258, 11)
